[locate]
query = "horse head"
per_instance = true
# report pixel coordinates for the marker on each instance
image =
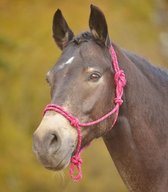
(81, 82)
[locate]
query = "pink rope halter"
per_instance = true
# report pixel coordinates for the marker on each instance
(120, 82)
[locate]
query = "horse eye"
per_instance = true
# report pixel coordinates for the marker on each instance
(95, 76)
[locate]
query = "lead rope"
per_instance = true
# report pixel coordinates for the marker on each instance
(120, 82)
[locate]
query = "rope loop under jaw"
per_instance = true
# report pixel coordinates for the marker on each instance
(76, 161)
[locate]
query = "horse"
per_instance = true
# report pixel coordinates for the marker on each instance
(82, 83)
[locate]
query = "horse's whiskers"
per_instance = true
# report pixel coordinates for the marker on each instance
(59, 176)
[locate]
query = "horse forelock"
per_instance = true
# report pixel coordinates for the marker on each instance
(82, 37)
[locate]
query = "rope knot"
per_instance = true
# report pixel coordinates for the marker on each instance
(76, 160)
(118, 101)
(120, 78)
(74, 122)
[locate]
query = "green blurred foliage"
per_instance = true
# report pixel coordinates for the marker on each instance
(27, 51)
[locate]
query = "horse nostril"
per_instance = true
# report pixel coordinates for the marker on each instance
(48, 144)
(54, 140)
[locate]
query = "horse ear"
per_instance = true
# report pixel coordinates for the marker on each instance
(61, 32)
(98, 25)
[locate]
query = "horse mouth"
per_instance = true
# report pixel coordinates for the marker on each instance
(51, 163)
(58, 167)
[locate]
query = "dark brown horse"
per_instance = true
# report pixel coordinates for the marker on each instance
(82, 82)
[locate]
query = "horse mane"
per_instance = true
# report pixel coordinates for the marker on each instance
(143, 63)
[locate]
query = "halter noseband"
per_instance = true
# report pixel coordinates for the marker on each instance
(120, 82)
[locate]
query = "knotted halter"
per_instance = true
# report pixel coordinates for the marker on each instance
(120, 82)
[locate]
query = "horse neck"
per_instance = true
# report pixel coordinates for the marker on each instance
(136, 143)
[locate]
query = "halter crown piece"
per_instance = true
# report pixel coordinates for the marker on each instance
(120, 82)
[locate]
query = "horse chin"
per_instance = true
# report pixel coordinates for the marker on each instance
(55, 165)
(58, 167)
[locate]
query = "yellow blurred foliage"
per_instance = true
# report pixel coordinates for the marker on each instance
(27, 51)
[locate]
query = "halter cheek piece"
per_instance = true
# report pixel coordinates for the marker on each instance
(120, 82)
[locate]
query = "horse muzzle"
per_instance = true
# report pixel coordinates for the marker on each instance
(54, 141)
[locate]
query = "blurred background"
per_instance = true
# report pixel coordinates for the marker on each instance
(27, 52)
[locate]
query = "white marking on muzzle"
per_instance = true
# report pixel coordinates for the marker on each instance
(56, 122)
